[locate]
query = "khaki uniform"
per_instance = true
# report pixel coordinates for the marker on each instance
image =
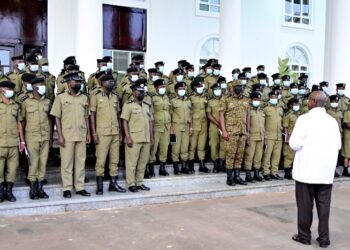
(125, 92)
(188, 82)
(61, 86)
(10, 116)
(165, 78)
(161, 115)
(236, 112)
(273, 128)
(170, 90)
(136, 158)
(3, 77)
(107, 129)
(254, 151)
(338, 116)
(216, 141)
(151, 90)
(344, 103)
(35, 113)
(50, 87)
(16, 78)
(72, 110)
(199, 135)
(345, 151)
(208, 82)
(180, 119)
(288, 122)
(92, 82)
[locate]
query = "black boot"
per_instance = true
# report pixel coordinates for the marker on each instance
(2, 196)
(202, 167)
(237, 177)
(162, 170)
(248, 177)
(41, 193)
(33, 195)
(336, 174)
(176, 167)
(346, 172)
(113, 185)
(151, 170)
(99, 185)
(223, 166)
(191, 166)
(229, 180)
(184, 167)
(288, 174)
(147, 175)
(217, 166)
(9, 195)
(257, 175)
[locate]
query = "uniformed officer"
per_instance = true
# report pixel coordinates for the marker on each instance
(111, 70)
(50, 80)
(344, 101)
(10, 134)
(181, 124)
(259, 69)
(178, 76)
(16, 73)
(211, 79)
(189, 76)
(255, 143)
(292, 93)
(234, 122)
(139, 62)
(324, 86)
(288, 123)
(137, 122)
(225, 89)
(92, 82)
(105, 124)
(125, 92)
(32, 64)
(153, 75)
(199, 135)
(161, 115)
(303, 97)
(263, 80)
(273, 139)
(72, 121)
(276, 80)
(160, 68)
(345, 151)
(35, 110)
(285, 84)
(60, 83)
(235, 73)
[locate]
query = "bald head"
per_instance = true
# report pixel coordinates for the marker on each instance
(317, 99)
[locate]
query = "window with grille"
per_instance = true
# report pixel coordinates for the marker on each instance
(297, 12)
(209, 8)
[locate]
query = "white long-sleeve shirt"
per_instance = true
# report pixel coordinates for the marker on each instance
(316, 140)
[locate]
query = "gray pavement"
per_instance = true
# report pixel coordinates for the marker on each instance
(260, 221)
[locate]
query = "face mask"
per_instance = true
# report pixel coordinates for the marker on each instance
(155, 78)
(140, 96)
(216, 72)
(256, 103)
(40, 57)
(134, 78)
(223, 85)
(142, 66)
(42, 90)
(161, 69)
(296, 108)
(145, 88)
(273, 101)
(45, 68)
(9, 93)
(248, 75)
(103, 68)
(179, 78)
(262, 81)
(260, 71)
(29, 87)
(334, 105)
(244, 82)
(277, 81)
(181, 92)
(109, 65)
(21, 66)
(238, 90)
(34, 67)
(190, 74)
(302, 91)
(341, 92)
(209, 71)
(325, 90)
(279, 97)
(286, 84)
(271, 83)
(161, 91)
(200, 90)
(235, 76)
(217, 92)
(294, 91)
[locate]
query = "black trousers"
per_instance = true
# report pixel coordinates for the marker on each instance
(305, 195)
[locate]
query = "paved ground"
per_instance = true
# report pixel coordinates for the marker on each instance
(264, 221)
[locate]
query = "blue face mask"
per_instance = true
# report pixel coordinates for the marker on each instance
(273, 101)
(294, 91)
(302, 91)
(341, 92)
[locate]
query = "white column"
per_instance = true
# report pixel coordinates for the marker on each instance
(337, 54)
(230, 33)
(88, 34)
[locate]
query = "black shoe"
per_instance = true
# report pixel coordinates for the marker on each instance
(288, 174)
(162, 170)
(83, 193)
(203, 168)
(184, 168)
(33, 192)
(191, 167)
(222, 166)
(45, 181)
(237, 177)
(276, 177)
(302, 241)
(217, 167)
(147, 176)
(248, 177)
(9, 195)
(41, 193)
(267, 177)
(151, 170)
(99, 185)
(114, 187)
(67, 194)
(257, 175)
(143, 187)
(229, 180)
(176, 168)
(346, 172)
(2, 194)
(323, 243)
(133, 189)
(86, 180)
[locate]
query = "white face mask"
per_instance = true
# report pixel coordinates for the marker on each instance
(34, 67)
(216, 72)
(286, 84)
(29, 87)
(217, 92)
(262, 81)
(248, 75)
(45, 68)
(181, 92)
(235, 76)
(302, 91)
(341, 92)
(9, 94)
(244, 82)
(277, 81)
(209, 71)
(42, 90)
(142, 66)
(103, 68)
(40, 57)
(273, 101)
(256, 103)
(21, 66)
(179, 78)
(325, 90)
(296, 108)
(294, 91)
(190, 74)
(161, 91)
(223, 85)
(260, 71)
(134, 78)
(200, 90)
(155, 78)
(109, 65)
(161, 69)
(334, 105)
(81, 87)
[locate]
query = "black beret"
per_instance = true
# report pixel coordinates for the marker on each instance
(285, 77)
(159, 63)
(181, 61)
(139, 84)
(106, 77)
(185, 64)
(276, 88)
(247, 69)
(215, 86)
(273, 93)
(324, 83)
(275, 76)
(293, 85)
(7, 84)
(37, 51)
(32, 59)
(221, 79)
(341, 85)
(236, 70)
(190, 66)
(315, 87)
(132, 69)
(178, 71)
(254, 95)
(261, 76)
(107, 58)
(73, 67)
(37, 80)
(134, 64)
(256, 86)
(179, 84)
(206, 66)
(260, 67)
(158, 82)
(197, 81)
(17, 58)
(99, 74)
(73, 77)
(152, 70)
(69, 60)
(242, 76)
(301, 85)
(302, 76)
(212, 61)
(216, 65)
(334, 98)
(27, 77)
(101, 61)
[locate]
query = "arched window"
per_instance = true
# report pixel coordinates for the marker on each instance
(298, 60)
(209, 49)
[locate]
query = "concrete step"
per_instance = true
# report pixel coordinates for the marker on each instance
(163, 190)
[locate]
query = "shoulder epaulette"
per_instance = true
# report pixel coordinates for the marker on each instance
(23, 98)
(97, 92)
(124, 83)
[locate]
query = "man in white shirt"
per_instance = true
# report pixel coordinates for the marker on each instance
(316, 140)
